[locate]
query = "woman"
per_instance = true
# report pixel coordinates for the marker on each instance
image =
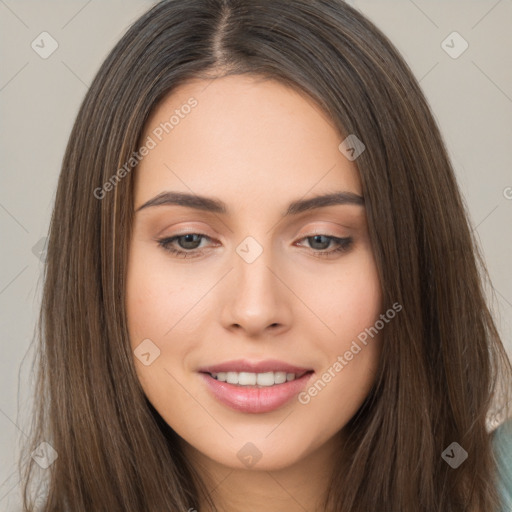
(262, 291)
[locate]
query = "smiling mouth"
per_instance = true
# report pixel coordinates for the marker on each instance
(255, 392)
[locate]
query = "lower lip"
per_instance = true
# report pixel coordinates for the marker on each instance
(253, 399)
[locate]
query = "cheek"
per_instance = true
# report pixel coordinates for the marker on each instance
(145, 306)
(350, 305)
(154, 302)
(163, 306)
(347, 299)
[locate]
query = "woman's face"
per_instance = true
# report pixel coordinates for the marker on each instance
(248, 342)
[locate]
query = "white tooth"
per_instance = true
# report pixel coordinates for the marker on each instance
(246, 379)
(265, 379)
(279, 377)
(232, 378)
(251, 379)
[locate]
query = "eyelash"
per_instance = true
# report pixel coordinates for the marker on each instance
(344, 245)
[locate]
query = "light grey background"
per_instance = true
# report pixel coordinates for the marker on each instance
(471, 96)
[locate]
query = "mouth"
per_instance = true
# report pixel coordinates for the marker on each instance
(255, 387)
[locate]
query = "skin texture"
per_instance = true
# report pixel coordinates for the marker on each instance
(256, 145)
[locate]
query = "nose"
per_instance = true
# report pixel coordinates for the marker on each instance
(256, 299)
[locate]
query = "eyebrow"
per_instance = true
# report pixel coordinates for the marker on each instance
(213, 205)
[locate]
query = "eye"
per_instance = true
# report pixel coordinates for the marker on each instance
(188, 245)
(188, 241)
(341, 244)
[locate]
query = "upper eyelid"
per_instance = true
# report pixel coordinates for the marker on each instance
(202, 228)
(309, 232)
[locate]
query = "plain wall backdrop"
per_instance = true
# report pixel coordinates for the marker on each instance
(469, 90)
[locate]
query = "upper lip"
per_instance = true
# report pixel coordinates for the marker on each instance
(243, 365)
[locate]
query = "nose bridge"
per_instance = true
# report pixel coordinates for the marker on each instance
(256, 299)
(255, 283)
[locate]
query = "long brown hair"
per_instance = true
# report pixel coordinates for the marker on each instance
(442, 358)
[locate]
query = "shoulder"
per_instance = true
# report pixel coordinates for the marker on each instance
(502, 445)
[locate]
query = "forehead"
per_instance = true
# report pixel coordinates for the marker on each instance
(245, 137)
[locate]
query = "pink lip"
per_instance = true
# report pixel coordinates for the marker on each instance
(242, 365)
(253, 399)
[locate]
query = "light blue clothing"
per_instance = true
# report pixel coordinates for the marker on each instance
(502, 442)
